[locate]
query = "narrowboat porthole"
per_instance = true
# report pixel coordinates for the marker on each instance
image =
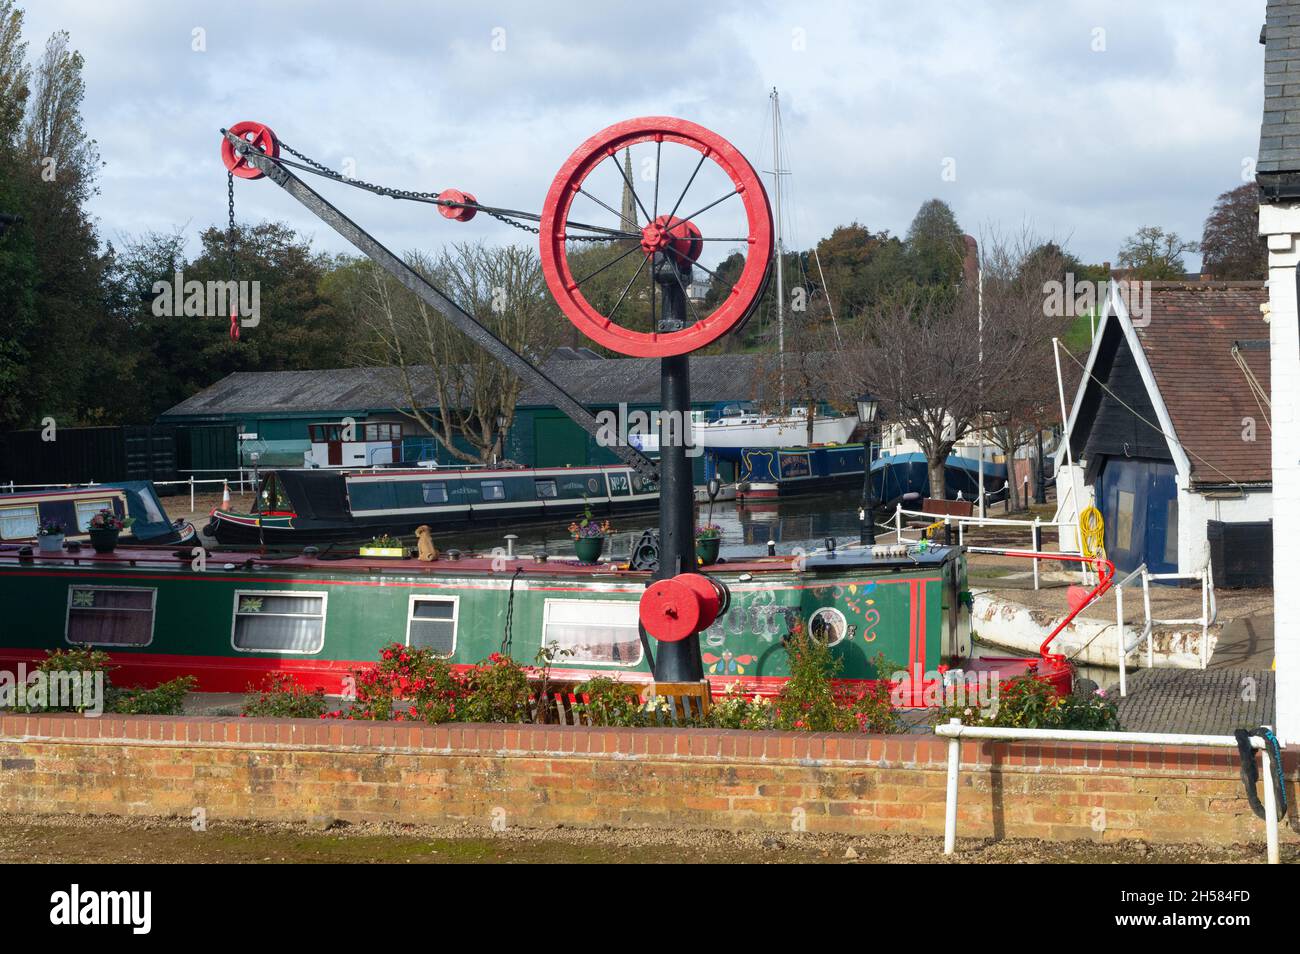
(828, 625)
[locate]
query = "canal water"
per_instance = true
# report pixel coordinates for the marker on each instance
(800, 523)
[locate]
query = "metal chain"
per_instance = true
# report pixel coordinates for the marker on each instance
(329, 173)
(230, 227)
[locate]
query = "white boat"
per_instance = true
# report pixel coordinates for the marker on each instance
(749, 429)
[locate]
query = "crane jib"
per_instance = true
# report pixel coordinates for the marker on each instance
(431, 295)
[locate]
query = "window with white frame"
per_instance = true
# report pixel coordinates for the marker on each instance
(493, 490)
(594, 631)
(431, 624)
(110, 615)
(279, 622)
(86, 509)
(434, 493)
(17, 523)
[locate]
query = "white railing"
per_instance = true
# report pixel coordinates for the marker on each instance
(954, 732)
(190, 482)
(1124, 646)
(1034, 528)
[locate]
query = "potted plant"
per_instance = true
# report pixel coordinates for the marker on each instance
(50, 536)
(105, 527)
(708, 538)
(589, 536)
(383, 546)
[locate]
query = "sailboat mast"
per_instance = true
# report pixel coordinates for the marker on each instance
(780, 279)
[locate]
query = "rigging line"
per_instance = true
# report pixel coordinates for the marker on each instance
(1256, 389)
(1154, 427)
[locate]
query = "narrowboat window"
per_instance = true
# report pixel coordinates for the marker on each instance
(594, 631)
(493, 489)
(271, 622)
(18, 522)
(434, 493)
(431, 624)
(110, 615)
(546, 490)
(86, 509)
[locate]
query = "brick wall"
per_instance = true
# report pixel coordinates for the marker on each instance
(541, 776)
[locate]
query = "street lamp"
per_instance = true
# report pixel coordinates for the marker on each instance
(868, 406)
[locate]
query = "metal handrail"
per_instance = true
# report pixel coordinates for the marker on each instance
(954, 731)
(1209, 613)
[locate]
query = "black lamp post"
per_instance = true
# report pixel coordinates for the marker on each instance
(867, 408)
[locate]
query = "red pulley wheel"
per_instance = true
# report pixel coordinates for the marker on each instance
(457, 213)
(260, 136)
(677, 231)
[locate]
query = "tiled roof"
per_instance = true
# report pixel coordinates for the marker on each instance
(592, 381)
(1188, 342)
(1279, 135)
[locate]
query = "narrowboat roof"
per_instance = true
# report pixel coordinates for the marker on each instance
(145, 557)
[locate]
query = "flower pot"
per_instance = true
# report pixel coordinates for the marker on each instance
(588, 548)
(104, 540)
(707, 550)
(50, 543)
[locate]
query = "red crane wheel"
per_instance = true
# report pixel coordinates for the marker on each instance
(259, 135)
(653, 232)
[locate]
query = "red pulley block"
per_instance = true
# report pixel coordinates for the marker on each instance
(672, 610)
(456, 213)
(260, 136)
(670, 232)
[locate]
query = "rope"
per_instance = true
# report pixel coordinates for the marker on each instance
(1256, 389)
(507, 638)
(1250, 772)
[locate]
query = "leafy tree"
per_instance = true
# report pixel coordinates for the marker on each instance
(1153, 254)
(1231, 246)
(935, 245)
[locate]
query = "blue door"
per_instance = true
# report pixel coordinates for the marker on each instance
(1138, 499)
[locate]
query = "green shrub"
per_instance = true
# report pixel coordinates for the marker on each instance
(164, 699)
(498, 691)
(610, 702)
(282, 696)
(807, 702)
(1029, 703)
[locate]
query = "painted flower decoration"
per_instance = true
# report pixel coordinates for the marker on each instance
(250, 604)
(83, 598)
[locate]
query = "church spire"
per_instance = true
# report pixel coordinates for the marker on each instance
(629, 202)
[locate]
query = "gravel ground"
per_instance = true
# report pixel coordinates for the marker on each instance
(112, 839)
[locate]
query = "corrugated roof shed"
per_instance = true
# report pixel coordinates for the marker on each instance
(1277, 167)
(592, 381)
(1188, 342)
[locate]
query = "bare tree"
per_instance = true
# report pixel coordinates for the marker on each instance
(458, 393)
(919, 351)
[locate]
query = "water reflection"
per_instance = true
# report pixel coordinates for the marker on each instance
(803, 522)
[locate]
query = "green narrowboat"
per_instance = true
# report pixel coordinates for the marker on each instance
(234, 617)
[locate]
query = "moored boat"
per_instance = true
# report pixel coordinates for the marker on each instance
(23, 513)
(296, 507)
(240, 617)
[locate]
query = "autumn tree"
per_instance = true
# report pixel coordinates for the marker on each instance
(1153, 254)
(1231, 246)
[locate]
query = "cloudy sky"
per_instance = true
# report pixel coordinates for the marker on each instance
(1082, 120)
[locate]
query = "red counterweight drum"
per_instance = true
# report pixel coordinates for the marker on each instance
(259, 135)
(671, 610)
(584, 235)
